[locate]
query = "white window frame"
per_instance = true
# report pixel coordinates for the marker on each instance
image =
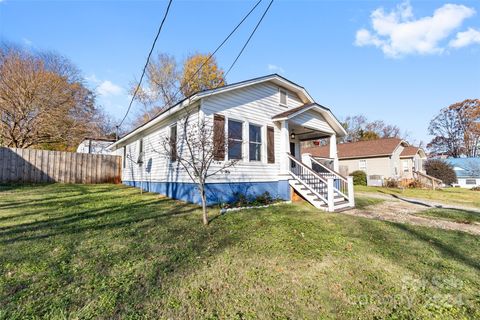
(405, 166)
(258, 143)
(364, 161)
(228, 138)
(280, 90)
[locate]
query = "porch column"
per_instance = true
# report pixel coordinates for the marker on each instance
(333, 151)
(284, 146)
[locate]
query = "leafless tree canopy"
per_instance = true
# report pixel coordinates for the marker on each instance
(43, 101)
(359, 128)
(457, 129)
(195, 150)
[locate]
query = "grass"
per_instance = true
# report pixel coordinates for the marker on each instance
(457, 196)
(107, 252)
(461, 216)
(364, 202)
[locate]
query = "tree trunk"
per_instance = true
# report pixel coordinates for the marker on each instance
(204, 205)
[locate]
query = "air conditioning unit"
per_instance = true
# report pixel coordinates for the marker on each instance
(375, 181)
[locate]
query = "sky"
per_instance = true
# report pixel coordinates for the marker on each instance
(397, 61)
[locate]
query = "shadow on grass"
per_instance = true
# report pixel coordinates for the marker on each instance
(389, 241)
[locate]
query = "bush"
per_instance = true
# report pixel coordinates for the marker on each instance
(475, 189)
(415, 184)
(359, 178)
(391, 183)
(441, 170)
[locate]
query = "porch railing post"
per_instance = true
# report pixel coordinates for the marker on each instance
(351, 195)
(330, 195)
(307, 160)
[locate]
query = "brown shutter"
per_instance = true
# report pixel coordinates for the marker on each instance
(218, 137)
(270, 145)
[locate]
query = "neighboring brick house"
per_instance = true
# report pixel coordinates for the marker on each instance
(388, 158)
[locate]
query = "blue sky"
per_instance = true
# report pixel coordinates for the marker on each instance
(391, 60)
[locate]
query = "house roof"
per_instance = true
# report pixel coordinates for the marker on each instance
(410, 151)
(99, 139)
(326, 113)
(465, 167)
(281, 81)
(360, 149)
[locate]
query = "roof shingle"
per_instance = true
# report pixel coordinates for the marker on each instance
(371, 148)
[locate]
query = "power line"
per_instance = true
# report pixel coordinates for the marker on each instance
(249, 38)
(218, 48)
(146, 65)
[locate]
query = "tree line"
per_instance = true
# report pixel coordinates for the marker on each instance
(45, 102)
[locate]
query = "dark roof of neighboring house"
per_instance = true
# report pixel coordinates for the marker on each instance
(464, 166)
(409, 151)
(359, 149)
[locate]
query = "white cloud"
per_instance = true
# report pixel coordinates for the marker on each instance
(275, 68)
(91, 78)
(398, 33)
(26, 41)
(107, 88)
(465, 38)
(104, 88)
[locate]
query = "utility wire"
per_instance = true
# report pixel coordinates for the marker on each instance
(146, 65)
(249, 38)
(215, 51)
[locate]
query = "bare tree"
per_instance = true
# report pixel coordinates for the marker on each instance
(457, 129)
(43, 101)
(199, 149)
(359, 128)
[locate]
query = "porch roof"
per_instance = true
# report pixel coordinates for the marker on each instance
(325, 112)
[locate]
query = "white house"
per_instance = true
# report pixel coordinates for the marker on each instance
(270, 116)
(467, 171)
(95, 145)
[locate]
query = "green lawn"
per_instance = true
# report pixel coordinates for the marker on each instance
(462, 216)
(105, 251)
(458, 196)
(365, 202)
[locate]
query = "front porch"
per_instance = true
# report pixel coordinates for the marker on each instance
(319, 184)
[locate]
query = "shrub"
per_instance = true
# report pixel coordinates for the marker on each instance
(359, 178)
(391, 183)
(415, 184)
(475, 189)
(441, 170)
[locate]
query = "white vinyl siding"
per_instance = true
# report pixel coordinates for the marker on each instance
(256, 105)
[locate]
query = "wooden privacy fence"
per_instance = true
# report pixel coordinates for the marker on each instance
(41, 166)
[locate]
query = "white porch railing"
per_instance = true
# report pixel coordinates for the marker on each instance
(323, 182)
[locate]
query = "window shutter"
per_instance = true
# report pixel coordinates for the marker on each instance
(218, 137)
(270, 145)
(173, 143)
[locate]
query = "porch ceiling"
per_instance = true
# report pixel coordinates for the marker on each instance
(305, 134)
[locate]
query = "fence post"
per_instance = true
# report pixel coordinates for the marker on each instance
(330, 195)
(351, 192)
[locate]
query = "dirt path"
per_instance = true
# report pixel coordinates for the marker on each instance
(404, 212)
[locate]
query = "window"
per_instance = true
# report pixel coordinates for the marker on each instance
(255, 143)
(218, 137)
(362, 165)
(140, 152)
(124, 156)
(270, 145)
(405, 166)
(173, 143)
(470, 181)
(283, 97)
(235, 139)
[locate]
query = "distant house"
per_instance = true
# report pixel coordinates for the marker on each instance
(95, 145)
(467, 171)
(386, 158)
